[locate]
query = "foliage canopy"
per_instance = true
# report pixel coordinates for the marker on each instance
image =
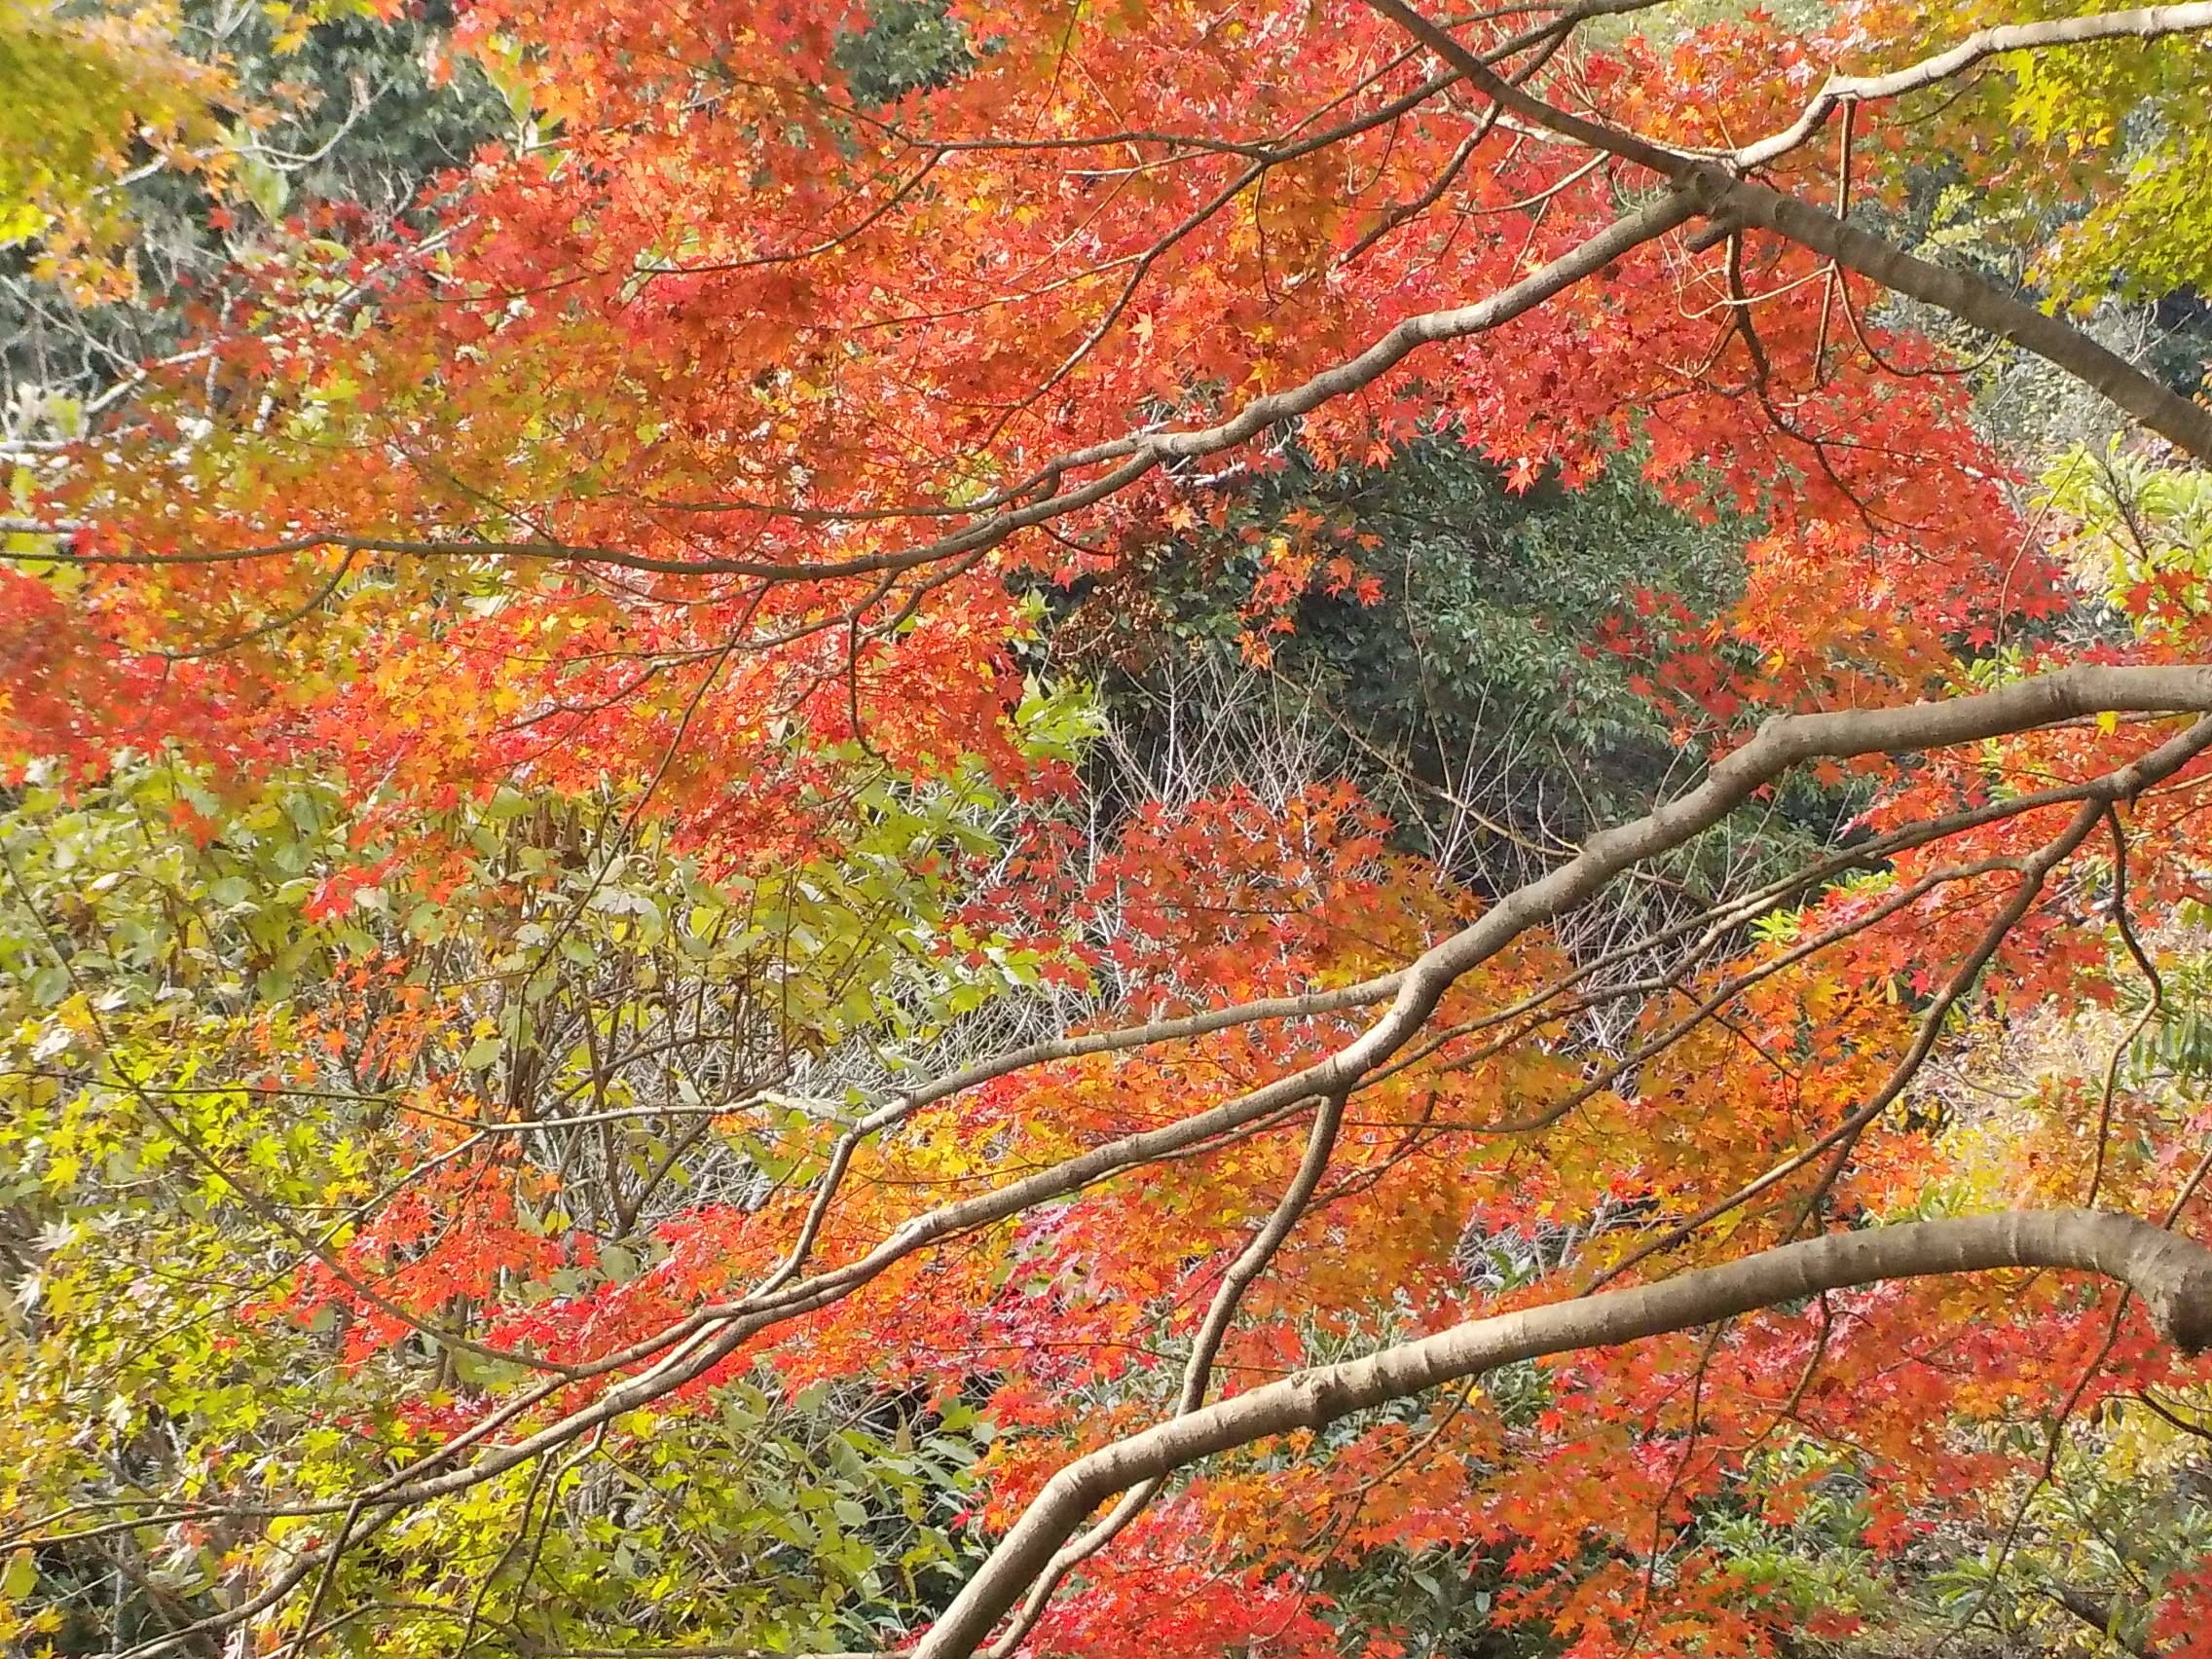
(1105, 826)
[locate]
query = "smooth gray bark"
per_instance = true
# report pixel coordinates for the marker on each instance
(2172, 1274)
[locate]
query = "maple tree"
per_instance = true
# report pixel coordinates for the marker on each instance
(598, 1060)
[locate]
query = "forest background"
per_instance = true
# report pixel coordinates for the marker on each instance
(1203, 828)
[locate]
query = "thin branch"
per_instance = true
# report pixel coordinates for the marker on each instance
(2149, 22)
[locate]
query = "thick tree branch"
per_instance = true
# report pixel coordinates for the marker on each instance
(2173, 1275)
(1733, 202)
(709, 1335)
(2148, 769)
(1701, 188)
(1741, 202)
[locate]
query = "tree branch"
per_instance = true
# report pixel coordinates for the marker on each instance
(1736, 202)
(1741, 202)
(2173, 1275)
(2149, 22)
(692, 1345)
(689, 1347)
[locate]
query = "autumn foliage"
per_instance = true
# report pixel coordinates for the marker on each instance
(602, 1058)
